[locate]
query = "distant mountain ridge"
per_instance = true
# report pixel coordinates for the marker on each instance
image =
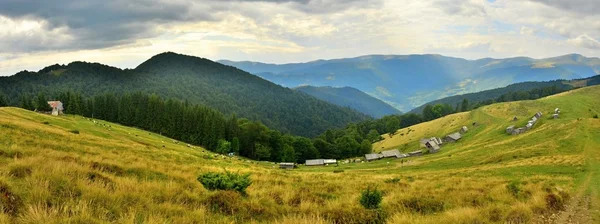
(492, 94)
(197, 80)
(350, 97)
(408, 81)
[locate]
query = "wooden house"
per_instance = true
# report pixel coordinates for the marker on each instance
(372, 156)
(315, 162)
(287, 165)
(452, 137)
(394, 153)
(57, 107)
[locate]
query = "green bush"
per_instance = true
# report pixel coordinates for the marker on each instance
(423, 204)
(225, 181)
(596, 116)
(74, 131)
(513, 188)
(19, 171)
(371, 198)
(393, 180)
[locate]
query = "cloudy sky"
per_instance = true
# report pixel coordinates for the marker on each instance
(37, 33)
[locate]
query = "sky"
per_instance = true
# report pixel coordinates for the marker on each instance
(120, 33)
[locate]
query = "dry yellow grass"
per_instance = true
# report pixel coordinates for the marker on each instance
(125, 175)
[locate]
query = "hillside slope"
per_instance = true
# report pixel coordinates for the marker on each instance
(493, 94)
(350, 97)
(408, 81)
(192, 79)
(111, 173)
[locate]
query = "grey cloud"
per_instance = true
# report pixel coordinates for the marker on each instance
(591, 7)
(104, 23)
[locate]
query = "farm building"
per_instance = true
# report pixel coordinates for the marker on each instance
(416, 153)
(538, 115)
(315, 162)
(452, 137)
(557, 111)
(372, 156)
(329, 161)
(394, 153)
(509, 129)
(464, 129)
(437, 140)
(433, 146)
(287, 165)
(555, 116)
(528, 126)
(57, 107)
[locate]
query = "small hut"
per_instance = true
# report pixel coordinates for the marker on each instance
(372, 156)
(57, 107)
(315, 162)
(394, 153)
(433, 146)
(452, 137)
(515, 118)
(529, 126)
(509, 129)
(464, 129)
(329, 161)
(538, 115)
(287, 165)
(557, 111)
(555, 116)
(423, 142)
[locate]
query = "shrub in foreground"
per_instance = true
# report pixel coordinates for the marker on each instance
(225, 181)
(371, 198)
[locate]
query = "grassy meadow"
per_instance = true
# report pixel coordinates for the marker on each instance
(71, 170)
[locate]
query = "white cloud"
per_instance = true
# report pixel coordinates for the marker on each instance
(295, 30)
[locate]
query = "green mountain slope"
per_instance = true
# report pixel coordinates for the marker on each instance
(197, 80)
(517, 87)
(118, 174)
(409, 81)
(350, 97)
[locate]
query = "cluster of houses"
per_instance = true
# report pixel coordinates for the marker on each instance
(433, 144)
(515, 131)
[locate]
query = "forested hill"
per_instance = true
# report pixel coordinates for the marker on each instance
(350, 97)
(195, 80)
(513, 92)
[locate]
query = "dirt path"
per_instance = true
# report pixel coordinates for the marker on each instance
(580, 205)
(578, 209)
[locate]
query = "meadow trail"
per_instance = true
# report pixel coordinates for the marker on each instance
(578, 209)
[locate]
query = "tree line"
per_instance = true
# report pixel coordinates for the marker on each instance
(198, 125)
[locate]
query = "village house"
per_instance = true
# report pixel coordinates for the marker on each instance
(464, 129)
(452, 137)
(423, 142)
(372, 156)
(394, 153)
(555, 116)
(509, 129)
(315, 162)
(329, 161)
(433, 146)
(57, 107)
(287, 165)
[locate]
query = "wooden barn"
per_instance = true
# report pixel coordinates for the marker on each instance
(315, 162)
(452, 137)
(287, 165)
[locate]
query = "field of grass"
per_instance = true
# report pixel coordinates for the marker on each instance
(107, 173)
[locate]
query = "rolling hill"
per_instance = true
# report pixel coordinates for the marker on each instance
(192, 79)
(350, 97)
(409, 81)
(551, 174)
(493, 94)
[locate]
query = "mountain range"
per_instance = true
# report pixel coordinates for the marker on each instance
(352, 98)
(191, 79)
(409, 81)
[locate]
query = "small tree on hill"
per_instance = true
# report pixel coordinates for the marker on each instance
(42, 103)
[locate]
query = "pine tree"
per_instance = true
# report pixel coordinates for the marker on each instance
(42, 103)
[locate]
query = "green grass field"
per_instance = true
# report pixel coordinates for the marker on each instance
(109, 173)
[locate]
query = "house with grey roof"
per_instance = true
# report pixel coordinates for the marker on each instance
(453, 137)
(510, 129)
(433, 146)
(315, 162)
(394, 153)
(287, 165)
(372, 156)
(329, 161)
